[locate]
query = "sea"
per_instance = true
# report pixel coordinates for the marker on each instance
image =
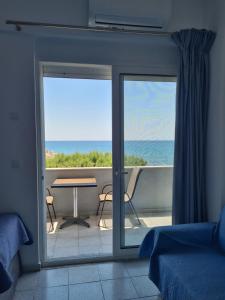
(156, 153)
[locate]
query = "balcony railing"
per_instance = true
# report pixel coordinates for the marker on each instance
(153, 192)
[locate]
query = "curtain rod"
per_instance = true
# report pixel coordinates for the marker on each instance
(19, 24)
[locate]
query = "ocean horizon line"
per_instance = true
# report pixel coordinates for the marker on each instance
(167, 140)
(155, 152)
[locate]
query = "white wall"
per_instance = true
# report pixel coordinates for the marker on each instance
(216, 124)
(73, 12)
(185, 13)
(18, 192)
(17, 86)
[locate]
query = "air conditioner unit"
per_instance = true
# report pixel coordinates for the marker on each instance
(130, 14)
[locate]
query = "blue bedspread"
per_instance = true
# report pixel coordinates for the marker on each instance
(13, 234)
(186, 262)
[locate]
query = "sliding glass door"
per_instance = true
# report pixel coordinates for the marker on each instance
(77, 138)
(145, 147)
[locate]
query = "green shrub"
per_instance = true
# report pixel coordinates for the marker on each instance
(91, 159)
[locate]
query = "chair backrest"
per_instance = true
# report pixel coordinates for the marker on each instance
(133, 181)
(48, 189)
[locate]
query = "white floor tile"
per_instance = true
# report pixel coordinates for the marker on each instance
(108, 281)
(53, 293)
(54, 277)
(118, 289)
(89, 241)
(83, 274)
(86, 251)
(137, 268)
(106, 240)
(86, 291)
(68, 231)
(105, 250)
(144, 286)
(51, 252)
(28, 281)
(96, 241)
(66, 252)
(24, 295)
(63, 233)
(88, 232)
(51, 242)
(66, 242)
(112, 270)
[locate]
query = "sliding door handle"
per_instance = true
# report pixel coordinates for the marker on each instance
(121, 173)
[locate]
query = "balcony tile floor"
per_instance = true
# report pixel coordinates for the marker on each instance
(79, 241)
(102, 281)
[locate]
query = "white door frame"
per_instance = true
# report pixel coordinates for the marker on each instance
(40, 130)
(39, 102)
(117, 149)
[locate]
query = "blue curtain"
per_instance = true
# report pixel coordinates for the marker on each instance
(189, 195)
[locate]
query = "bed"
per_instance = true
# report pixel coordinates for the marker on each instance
(13, 234)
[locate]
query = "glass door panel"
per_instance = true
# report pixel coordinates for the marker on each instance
(147, 162)
(77, 140)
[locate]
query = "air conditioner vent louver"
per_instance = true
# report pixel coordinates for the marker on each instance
(130, 14)
(116, 21)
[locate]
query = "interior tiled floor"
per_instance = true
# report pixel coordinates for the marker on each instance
(102, 281)
(77, 240)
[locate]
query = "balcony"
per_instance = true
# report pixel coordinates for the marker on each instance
(152, 201)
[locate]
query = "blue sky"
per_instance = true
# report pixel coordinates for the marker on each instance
(80, 109)
(149, 110)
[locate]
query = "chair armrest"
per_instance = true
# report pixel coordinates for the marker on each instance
(177, 238)
(105, 186)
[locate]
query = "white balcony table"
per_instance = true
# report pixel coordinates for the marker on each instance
(74, 183)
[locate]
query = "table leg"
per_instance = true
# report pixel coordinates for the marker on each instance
(75, 202)
(75, 219)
